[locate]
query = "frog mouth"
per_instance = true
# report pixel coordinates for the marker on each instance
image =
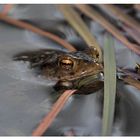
(93, 78)
(98, 76)
(87, 84)
(89, 80)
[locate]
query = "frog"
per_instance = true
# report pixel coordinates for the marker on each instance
(78, 70)
(137, 68)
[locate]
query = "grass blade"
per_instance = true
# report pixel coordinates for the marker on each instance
(109, 87)
(120, 15)
(96, 16)
(78, 24)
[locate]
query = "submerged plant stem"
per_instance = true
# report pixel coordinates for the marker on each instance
(120, 15)
(7, 8)
(34, 29)
(131, 81)
(96, 16)
(47, 120)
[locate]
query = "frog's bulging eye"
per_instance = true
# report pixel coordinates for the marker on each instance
(66, 64)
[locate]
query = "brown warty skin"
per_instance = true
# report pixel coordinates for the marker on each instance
(73, 70)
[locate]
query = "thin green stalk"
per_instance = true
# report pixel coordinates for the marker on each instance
(109, 87)
(78, 24)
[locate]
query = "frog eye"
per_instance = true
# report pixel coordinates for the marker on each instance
(66, 64)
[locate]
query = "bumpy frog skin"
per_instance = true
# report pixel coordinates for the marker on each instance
(73, 70)
(138, 68)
